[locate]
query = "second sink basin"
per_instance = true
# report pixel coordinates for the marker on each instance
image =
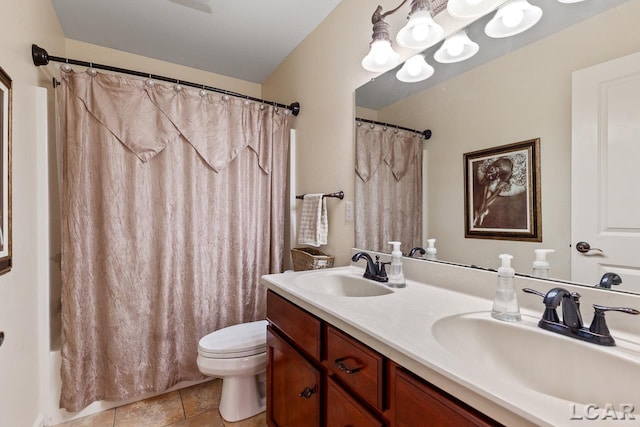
(540, 360)
(341, 283)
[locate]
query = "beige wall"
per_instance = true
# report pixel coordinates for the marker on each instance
(523, 95)
(102, 55)
(322, 74)
(23, 23)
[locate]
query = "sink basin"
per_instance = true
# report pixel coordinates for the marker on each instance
(540, 360)
(341, 284)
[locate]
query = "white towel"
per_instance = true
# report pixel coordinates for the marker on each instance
(314, 225)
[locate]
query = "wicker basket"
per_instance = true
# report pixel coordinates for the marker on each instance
(310, 259)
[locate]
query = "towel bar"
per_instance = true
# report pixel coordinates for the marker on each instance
(337, 194)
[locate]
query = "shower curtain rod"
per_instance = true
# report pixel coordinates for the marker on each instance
(41, 57)
(426, 133)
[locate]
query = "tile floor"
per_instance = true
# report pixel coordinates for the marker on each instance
(195, 406)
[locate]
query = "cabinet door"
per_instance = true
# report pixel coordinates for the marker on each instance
(417, 403)
(343, 410)
(293, 386)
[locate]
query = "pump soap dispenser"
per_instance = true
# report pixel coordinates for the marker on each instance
(396, 276)
(431, 249)
(540, 265)
(505, 304)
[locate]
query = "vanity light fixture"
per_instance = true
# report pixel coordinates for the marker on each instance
(421, 31)
(381, 56)
(415, 69)
(471, 8)
(513, 18)
(456, 48)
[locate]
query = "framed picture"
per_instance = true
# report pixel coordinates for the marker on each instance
(502, 192)
(5, 173)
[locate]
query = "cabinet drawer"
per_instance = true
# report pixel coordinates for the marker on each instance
(357, 366)
(419, 403)
(344, 410)
(298, 325)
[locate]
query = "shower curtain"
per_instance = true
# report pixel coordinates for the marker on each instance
(388, 188)
(173, 207)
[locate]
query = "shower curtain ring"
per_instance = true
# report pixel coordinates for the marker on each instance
(66, 67)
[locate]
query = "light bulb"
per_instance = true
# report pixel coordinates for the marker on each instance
(414, 66)
(455, 46)
(420, 32)
(512, 16)
(380, 52)
(473, 2)
(380, 57)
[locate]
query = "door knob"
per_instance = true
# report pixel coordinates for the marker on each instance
(585, 247)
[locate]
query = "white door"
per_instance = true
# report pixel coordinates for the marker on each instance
(605, 172)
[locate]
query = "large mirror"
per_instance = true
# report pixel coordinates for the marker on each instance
(513, 90)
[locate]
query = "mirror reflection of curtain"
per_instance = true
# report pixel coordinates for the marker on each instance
(173, 207)
(388, 188)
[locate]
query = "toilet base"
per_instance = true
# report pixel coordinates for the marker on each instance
(243, 397)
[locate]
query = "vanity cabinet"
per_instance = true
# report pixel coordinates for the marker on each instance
(317, 375)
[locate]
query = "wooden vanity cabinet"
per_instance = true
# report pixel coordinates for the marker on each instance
(319, 376)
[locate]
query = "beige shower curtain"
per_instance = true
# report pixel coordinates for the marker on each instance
(388, 188)
(173, 207)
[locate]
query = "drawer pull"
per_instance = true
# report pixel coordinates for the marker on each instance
(339, 363)
(307, 392)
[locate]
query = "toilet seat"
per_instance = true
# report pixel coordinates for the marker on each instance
(242, 340)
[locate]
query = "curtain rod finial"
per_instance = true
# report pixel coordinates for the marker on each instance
(39, 55)
(295, 108)
(427, 133)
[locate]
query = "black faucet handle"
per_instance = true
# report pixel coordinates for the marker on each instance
(533, 291)
(599, 323)
(550, 314)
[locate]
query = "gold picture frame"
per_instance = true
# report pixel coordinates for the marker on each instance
(502, 192)
(5, 172)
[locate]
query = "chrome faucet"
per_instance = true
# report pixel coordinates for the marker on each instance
(375, 270)
(418, 249)
(609, 279)
(571, 323)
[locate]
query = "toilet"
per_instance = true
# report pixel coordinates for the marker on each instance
(237, 354)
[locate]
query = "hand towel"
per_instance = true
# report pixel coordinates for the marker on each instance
(314, 225)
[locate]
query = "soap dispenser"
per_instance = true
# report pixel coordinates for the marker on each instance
(431, 249)
(541, 265)
(395, 274)
(505, 304)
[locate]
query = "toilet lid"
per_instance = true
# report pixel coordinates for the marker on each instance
(242, 340)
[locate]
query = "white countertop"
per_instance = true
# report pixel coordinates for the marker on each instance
(399, 326)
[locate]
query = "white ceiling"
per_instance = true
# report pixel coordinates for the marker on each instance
(245, 39)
